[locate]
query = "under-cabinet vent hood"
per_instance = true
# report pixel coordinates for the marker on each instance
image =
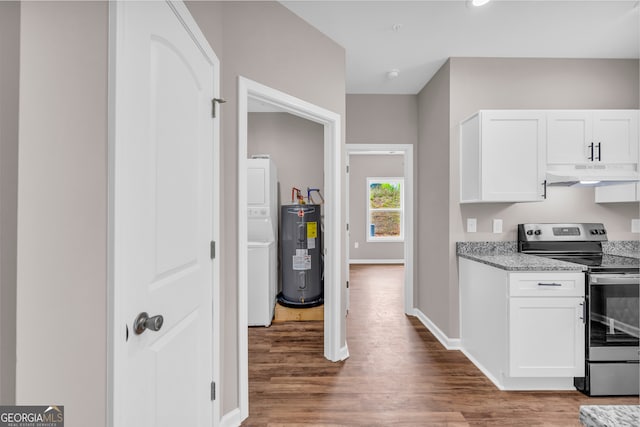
(591, 175)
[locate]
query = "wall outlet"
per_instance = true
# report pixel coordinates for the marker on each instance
(635, 225)
(497, 226)
(356, 245)
(472, 225)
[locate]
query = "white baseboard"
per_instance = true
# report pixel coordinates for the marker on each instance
(376, 261)
(231, 419)
(482, 369)
(344, 352)
(448, 343)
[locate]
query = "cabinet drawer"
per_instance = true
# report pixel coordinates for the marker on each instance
(546, 284)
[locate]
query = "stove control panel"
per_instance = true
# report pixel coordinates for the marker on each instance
(562, 232)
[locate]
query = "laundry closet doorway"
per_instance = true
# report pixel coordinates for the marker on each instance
(335, 348)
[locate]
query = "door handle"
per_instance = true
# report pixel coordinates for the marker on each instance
(591, 149)
(599, 151)
(144, 322)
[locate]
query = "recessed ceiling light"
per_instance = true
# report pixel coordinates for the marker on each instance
(479, 2)
(393, 74)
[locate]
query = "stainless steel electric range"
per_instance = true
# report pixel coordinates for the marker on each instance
(612, 303)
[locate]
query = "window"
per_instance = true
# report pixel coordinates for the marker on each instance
(385, 209)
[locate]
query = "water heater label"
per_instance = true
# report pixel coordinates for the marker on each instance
(302, 260)
(312, 230)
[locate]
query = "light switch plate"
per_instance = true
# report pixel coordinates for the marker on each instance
(635, 225)
(472, 225)
(356, 245)
(497, 226)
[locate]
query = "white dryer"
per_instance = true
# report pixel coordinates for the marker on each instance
(262, 231)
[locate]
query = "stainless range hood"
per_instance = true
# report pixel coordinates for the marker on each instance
(593, 176)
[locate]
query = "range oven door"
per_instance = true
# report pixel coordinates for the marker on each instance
(613, 330)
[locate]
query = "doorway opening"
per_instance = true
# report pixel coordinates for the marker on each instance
(335, 348)
(406, 151)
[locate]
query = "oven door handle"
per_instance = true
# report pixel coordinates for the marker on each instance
(614, 279)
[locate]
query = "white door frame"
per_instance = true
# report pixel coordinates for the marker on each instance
(334, 318)
(116, 346)
(407, 150)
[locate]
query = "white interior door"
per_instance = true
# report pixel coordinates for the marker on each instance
(162, 216)
(347, 249)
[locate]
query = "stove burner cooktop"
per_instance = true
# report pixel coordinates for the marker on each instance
(579, 243)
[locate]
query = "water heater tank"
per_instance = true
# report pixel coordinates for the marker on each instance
(301, 264)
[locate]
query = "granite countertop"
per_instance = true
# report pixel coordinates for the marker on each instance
(625, 248)
(504, 255)
(610, 415)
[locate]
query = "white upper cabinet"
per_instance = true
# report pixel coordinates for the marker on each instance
(502, 156)
(627, 192)
(583, 137)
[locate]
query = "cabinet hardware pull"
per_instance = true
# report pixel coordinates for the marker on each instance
(584, 311)
(591, 149)
(599, 151)
(549, 284)
(544, 184)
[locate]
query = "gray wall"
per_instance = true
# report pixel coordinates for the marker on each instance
(62, 205)
(295, 145)
(382, 119)
(265, 42)
(9, 93)
(379, 119)
(487, 83)
(431, 292)
(362, 167)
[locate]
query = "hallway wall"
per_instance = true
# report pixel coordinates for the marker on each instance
(9, 103)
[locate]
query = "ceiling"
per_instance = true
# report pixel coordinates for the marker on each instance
(417, 37)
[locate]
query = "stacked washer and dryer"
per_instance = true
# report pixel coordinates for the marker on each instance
(262, 232)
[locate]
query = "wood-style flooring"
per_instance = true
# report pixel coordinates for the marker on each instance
(398, 374)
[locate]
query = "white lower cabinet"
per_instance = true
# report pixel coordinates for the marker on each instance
(546, 337)
(523, 330)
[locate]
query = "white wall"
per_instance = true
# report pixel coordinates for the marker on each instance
(62, 209)
(295, 145)
(362, 167)
(267, 43)
(9, 93)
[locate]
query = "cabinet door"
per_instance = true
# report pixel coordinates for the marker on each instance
(512, 153)
(546, 337)
(568, 137)
(615, 135)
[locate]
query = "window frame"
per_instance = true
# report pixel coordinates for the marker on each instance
(369, 210)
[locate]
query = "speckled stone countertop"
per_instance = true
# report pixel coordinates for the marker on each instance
(610, 415)
(503, 255)
(628, 248)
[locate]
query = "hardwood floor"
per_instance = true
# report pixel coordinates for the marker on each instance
(397, 373)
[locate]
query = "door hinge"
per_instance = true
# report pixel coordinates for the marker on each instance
(347, 284)
(215, 101)
(213, 390)
(347, 226)
(347, 168)
(213, 249)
